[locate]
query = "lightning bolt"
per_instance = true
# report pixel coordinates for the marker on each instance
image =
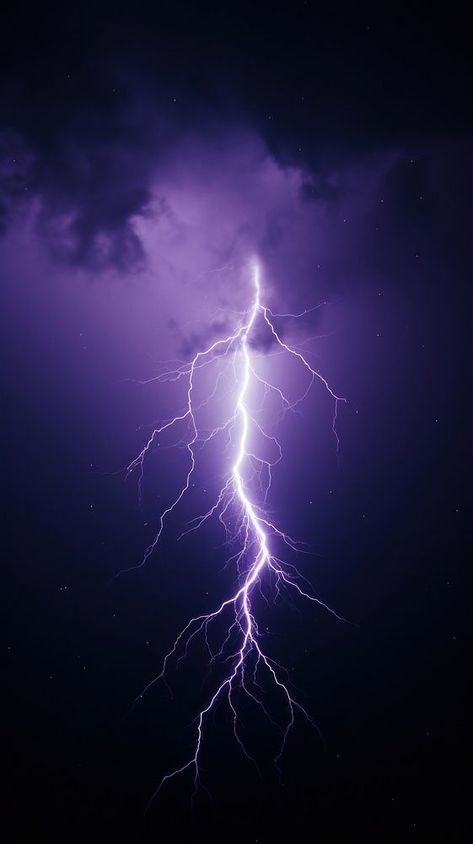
(246, 666)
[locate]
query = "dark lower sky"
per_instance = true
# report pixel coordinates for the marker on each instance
(147, 154)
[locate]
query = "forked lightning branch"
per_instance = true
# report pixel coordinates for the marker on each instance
(245, 668)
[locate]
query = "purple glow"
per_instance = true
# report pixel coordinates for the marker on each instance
(213, 203)
(242, 514)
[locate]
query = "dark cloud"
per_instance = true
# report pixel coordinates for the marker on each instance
(88, 189)
(94, 94)
(89, 218)
(192, 342)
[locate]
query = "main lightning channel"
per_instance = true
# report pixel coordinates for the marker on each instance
(247, 665)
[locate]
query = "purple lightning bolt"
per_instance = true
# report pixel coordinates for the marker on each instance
(240, 652)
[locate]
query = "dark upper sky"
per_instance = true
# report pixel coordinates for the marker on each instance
(345, 76)
(372, 105)
(321, 86)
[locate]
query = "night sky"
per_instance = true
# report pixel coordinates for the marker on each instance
(147, 153)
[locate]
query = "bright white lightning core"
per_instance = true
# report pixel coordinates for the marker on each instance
(245, 669)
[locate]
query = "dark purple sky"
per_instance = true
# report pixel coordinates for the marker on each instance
(145, 157)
